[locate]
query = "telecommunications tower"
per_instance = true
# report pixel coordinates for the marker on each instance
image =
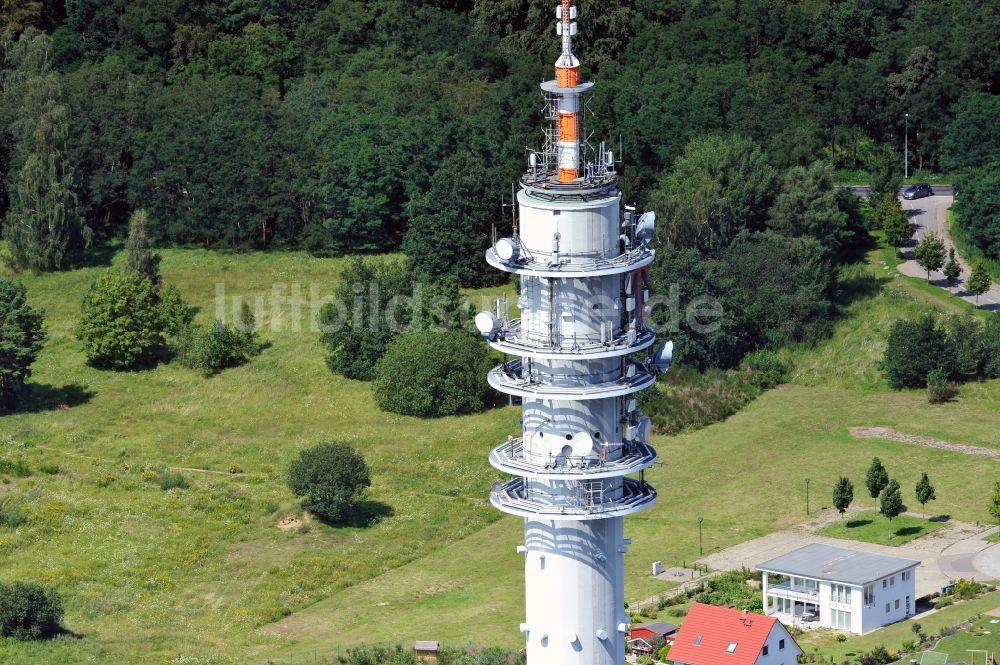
(583, 351)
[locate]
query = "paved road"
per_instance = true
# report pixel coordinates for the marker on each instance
(864, 190)
(930, 215)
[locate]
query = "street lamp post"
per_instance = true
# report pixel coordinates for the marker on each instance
(701, 549)
(906, 145)
(807, 495)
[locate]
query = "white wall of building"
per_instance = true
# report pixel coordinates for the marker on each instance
(891, 592)
(776, 655)
(893, 599)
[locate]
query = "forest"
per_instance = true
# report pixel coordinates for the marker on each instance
(352, 127)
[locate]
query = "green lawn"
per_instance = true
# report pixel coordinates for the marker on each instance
(205, 572)
(983, 635)
(892, 637)
(872, 527)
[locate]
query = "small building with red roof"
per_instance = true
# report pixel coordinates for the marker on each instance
(723, 636)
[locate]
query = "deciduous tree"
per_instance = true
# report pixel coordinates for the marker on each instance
(891, 501)
(843, 494)
(930, 253)
(330, 478)
(876, 479)
(979, 281)
(924, 491)
(952, 269)
(994, 505)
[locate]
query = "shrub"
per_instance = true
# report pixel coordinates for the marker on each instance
(18, 468)
(121, 323)
(211, 350)
(431, 373)
(170, 479)
(330, 477)
(915, 348)
(841, 637)
(943, 603)
(664, 654)
(29, 610)
(765, 367)
(686, 399)
(392, 300)
(991, 342)
(22, 335)
(12, 513)
(939, 388)
(49, 468)
(175, 314)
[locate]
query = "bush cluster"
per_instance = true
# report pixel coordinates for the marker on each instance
(219, 346)
(29, 611)
(123, 322)
(686, 399)
(431, 373)
(935, 349)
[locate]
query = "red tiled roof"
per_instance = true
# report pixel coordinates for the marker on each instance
(718, 627)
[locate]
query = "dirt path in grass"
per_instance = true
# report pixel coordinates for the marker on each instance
(892, 435)
(172, 468)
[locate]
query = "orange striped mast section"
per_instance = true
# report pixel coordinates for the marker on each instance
(568, 76)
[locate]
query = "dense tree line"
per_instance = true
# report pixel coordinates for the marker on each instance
(353, 126)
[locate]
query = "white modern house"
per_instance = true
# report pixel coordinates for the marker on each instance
(834, 587)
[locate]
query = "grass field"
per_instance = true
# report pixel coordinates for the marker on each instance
(205, 572)
(872, 527)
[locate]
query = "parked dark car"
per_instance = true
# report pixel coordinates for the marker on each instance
(918, 191)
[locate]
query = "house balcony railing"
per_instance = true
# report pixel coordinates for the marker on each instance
(508, 379)
(515, 498)
(514, 340)
(511, 457)
(786, 590)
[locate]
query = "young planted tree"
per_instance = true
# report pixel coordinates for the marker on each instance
(894, 222)
(952, 269)
(140, 257)
(979, 281)
(876, 479)
(925, 491)
(930, 253)
(995, 502)
(843, 494)
(891, 501)
(21, 337)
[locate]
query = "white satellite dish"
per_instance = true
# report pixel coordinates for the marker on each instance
(663, 356)
(507, 249)
(644, 229)
(487, 323)
(582, 443)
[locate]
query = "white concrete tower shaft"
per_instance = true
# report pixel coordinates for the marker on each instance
(581, 350)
